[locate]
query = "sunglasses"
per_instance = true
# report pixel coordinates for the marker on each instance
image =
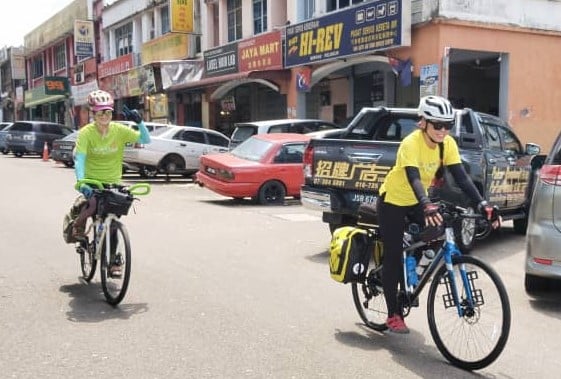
(442, 125)
(106, 112)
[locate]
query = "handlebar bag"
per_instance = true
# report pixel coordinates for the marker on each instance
(113, 202)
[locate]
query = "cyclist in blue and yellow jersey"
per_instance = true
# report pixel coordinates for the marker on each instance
(99, 150)
(404, 192)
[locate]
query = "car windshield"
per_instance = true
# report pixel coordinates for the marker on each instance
(252, 149)
(243, 132)
(71, 137)
(159, 131)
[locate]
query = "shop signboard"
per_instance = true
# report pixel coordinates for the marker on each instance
(221, 60)
(356, 30)
(262, 52)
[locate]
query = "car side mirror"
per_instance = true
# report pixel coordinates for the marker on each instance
(532, 149)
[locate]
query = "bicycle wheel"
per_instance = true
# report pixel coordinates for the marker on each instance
(88, 262)
(370, 302)
(474, 340)
(119, 252)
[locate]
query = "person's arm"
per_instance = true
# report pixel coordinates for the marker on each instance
(414, 178)
(80, 166)
(144, 137)
(464, 182)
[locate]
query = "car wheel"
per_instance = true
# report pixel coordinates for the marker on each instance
(5, 152)
(520, 225)
(148, 172)
(172, 164)
(68, 163)
(272, 192)
(534, 284)
(18, 154)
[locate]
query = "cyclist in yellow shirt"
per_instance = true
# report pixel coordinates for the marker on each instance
(404, 191)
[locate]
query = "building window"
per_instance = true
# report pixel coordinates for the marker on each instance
(123, 39)
(37, 67)
(333, 5)
(259, 16)
(309, 9)
(234, 9)
(164, 14)
(60, 57)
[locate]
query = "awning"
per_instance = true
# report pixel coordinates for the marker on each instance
(236, 79)
(43, 100)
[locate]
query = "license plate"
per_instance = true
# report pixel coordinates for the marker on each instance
(359, 198)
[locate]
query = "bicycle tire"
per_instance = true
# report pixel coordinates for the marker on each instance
(88, 262)
(114, 288)
(475, 340)
(370, 302)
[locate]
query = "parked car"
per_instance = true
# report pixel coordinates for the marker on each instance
(265, 167)
(244, 130)
(543, 236)
(4, 127)
(174, 150)
(63, 149)
(29, 137)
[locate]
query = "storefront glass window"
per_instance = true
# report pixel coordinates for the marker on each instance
(259, 16)
(60, 57)
(234, 9)
(123, 39)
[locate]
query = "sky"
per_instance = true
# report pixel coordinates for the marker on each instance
(19, 17)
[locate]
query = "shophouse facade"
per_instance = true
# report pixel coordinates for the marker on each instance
(12, 77)
(54, 52)
(239, 60)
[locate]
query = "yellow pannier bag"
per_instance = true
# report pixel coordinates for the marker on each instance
(349, 254)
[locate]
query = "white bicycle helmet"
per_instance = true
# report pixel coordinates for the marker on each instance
(436, 108)
(100, 100)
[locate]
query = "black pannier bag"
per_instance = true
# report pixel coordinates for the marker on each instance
(114, 202)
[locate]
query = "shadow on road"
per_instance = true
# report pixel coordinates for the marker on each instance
(88, 304)
(409, 351)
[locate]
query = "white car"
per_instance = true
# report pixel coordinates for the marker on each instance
(174, 150)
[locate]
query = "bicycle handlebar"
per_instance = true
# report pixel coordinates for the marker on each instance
(451, 212)
(137, 189)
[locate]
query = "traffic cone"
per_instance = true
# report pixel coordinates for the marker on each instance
(45, 152)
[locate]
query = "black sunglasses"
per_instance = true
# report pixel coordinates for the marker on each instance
(440, 125)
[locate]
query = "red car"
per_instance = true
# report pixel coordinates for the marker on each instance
(265, 167)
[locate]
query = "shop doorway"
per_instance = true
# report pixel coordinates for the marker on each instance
(474, 80)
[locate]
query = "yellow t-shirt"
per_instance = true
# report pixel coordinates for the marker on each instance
(414, 152)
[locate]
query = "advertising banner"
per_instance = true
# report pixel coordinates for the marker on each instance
(361, 29)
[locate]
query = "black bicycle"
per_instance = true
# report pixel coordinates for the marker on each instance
(107, 240)
(468, 309)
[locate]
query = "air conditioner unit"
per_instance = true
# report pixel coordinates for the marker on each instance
(79, 68)
(78, 77)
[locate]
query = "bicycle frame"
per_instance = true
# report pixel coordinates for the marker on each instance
(101, 225)
(444, 254)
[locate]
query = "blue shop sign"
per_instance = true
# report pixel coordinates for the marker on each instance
(362, 29)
